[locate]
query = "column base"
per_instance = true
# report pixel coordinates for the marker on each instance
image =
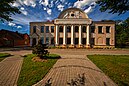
(88, 46)
(64, 46)
(80, 46)
(72, 46)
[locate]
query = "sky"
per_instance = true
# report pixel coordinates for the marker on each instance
(43, 10)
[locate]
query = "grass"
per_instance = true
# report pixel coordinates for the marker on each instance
(3, 56)
(32, 72)
(115, 66)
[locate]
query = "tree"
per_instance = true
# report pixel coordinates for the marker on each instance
(114, 6)
(39, 49)
(6, 10)
(122, 33)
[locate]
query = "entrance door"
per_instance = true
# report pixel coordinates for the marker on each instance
(34, 41)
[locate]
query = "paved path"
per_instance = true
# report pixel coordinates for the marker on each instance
(73, 62)
(9, 70)
(70, 66)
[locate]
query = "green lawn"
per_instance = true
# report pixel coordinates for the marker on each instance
(32, 72)
(3, 56)
(115, 66)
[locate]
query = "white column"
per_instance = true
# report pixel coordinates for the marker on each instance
(56, 35)
(87, 35)
(80, 35)
(72, 35)
(64, 37)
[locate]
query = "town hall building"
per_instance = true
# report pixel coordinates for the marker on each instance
(73, 28)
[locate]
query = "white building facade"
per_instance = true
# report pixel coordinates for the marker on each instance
(74, 29)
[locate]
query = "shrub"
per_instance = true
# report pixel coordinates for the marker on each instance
(39, 49)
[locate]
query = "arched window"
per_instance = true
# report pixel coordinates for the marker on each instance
(60, 28)
(76, 29)
(84, 29)
(69, 29)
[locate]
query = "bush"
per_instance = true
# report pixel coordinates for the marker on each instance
(39, 49)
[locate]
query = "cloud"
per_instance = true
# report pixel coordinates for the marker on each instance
(11, 24)
(44, 2)
(80, 4)
(23, 11)
(18, 3)
(89, 4)
(19, 27)
(60, 7)
(49, 11)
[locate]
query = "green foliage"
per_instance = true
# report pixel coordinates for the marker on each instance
(3, 56)
(6, 10)
(32, 72)
(39, 49)
(122, 33)
(114, 6)
(115, 66)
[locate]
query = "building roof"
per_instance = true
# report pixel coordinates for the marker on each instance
(103, 22)
(13, 35)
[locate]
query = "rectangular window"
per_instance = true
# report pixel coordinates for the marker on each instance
(99, 29)
(60, 40)
(52, 29)
(47, 29)
(83, 40)
(107, 29)
(107, 41)
(47, 40)
(52, 40)
(34, 29)
(92, 41)
(68, 40)
(42, 29)
(76, 40)
(92, 29)
(42, 40)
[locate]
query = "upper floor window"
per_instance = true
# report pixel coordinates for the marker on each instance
(42, 29)
(99, 29)
(92, 29)
(84, 29)
(76, 29)
(34, 29)
(69, 29)
(61, 29)
(107, 29)
(47, 29)
(52, 29)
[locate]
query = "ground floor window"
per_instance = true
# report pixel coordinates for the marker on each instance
(92, 41)
(33, 41)
(60, 40)
(42, 40)
(83, 40)
(107, 41)
(76, 40)
(68, 40)
(47, 40)
(52, 40)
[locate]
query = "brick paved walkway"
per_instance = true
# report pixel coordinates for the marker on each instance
(9, 70)
(70, 66)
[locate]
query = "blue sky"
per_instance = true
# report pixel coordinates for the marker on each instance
(43, 10)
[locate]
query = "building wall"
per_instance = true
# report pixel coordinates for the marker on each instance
(99, 38)
(41, 35)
